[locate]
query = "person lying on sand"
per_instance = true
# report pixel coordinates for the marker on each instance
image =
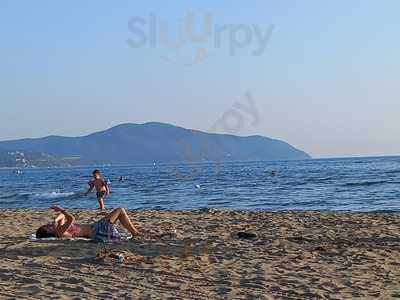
(64, 226)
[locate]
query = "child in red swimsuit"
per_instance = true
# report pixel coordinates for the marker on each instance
(101, 188)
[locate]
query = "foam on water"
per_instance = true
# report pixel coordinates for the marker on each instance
(54, 195)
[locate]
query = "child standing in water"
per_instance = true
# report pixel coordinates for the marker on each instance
(101, 188)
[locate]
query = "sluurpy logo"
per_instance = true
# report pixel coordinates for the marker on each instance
(241, 115)
(155, 31)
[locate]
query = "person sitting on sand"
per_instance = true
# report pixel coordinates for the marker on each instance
(64, 226)
(101, 187)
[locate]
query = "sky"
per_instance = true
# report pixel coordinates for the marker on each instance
(321, 75)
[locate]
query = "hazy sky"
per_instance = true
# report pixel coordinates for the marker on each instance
(327, 81)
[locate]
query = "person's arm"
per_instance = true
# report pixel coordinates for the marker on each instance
(69, 219)
(59, 220)
(91, 186)
(107, 188)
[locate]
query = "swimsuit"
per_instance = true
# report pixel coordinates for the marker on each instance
(104, 231)
(74, 229)
(100, 194)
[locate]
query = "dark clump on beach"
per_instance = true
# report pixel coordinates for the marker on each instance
(246, 235)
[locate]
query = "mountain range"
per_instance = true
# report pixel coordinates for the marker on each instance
(146, 143)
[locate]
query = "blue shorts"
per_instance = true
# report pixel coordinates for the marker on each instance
(104, 231)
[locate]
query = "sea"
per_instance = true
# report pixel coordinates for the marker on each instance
(351, 184)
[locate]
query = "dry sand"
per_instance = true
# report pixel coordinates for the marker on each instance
(296, 255)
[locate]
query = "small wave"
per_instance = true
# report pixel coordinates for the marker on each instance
(22, 196)
(9, 196)
(397, 171)
(323, 179)
(55, 195)
(365, 183)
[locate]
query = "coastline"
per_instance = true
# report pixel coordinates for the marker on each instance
(295, 254)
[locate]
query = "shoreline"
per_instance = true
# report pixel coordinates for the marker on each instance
(211, 209)
(295, 254)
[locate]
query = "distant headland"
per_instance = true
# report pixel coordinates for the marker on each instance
(143, 144)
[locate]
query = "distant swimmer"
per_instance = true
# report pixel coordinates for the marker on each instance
(121, 178)
(272, 173)
(101, 186)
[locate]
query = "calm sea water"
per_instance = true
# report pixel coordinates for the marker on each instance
(363, 184)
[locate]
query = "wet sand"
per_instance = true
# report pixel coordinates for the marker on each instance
(295, 255)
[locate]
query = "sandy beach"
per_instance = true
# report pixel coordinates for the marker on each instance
(295, 255)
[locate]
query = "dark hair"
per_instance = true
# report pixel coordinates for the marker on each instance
(43, 232)
(96, 172)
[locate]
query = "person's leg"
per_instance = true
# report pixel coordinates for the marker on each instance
(101, 202)
(120, 215)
